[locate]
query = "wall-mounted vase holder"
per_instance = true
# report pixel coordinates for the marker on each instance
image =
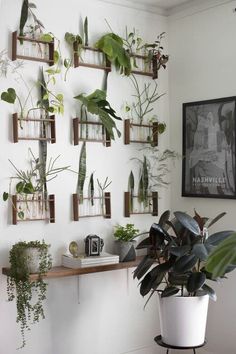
(140, 133)
(134, 207)
(90, 131)
(91, 58)
(143, 67)
(34, 208)
(92, 207)
(43, 129)
(27, 48)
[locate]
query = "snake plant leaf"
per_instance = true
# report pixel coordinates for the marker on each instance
(82, 173)
(222, 256)
(9, 96)
(208, 290)
(169, 291)
(188, 222)
(91, 189)
(218, 237)
(23, 16)
(86, 31)
(97, 104)
(145, 182)
(131, 190)
(195, 281)
(112, 45)
(140, 190)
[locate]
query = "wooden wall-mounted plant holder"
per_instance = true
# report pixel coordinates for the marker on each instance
(102, 62)
(34, 208)
(138, 209)
(101, 207)
(34, 129)
(32, 49)
(140, 133)
(90, 131)
(146, 69)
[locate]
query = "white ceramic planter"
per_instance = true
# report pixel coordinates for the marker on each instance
(183, 320)
(33, 259)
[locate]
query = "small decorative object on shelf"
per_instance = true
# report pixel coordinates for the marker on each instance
(42, 129)
(133, 206)
(29, 294)
(92, 206)
(141, 133)
(90, 131)
(28, 48)
(93, 245)
(33, 207)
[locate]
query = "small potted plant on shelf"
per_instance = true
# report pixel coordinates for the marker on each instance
(26, 258)
(125, 243)
(175, 270)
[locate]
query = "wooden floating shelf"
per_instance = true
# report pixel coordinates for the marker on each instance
(153, 128)
(78, 62)
(61, 272)
(107, 205)
(77, 128)
(153, 199)
(16, 55)
(28, 204)
(29, 122)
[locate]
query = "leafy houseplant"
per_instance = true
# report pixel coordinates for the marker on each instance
(22, 288)
(180, 272)
(124, 236)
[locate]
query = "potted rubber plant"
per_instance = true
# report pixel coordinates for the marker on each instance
(26, 258)
(125, 242)
(175, 270)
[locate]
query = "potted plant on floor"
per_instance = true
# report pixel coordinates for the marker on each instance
(26, 258)
(125, 243)
(180, 277)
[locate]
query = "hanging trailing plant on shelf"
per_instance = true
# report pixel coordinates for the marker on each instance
(96, 103)
(25, 258)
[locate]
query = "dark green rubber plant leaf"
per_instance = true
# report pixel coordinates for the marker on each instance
(9, 96)
(209, 291)
(146, 243)
(188, 222)
(218, 237)
(185, 263)
(178, 279)
(195, 281)
(222, 256)
(23, 16)
(82, 173)
(211, 222)
(164, 217)
(200, 251)
(170, 291)
(180, 250)
(143, 267)
(97, 104)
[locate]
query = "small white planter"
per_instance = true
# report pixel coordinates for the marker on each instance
(183, 320)
(33, 259)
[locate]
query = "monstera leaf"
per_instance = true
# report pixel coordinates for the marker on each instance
(97, 104)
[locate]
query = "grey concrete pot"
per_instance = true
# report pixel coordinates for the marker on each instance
(126, 250)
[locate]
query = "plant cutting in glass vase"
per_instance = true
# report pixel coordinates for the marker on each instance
(175, 269)
(25, 258)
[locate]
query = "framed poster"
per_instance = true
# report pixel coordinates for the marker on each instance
(209, 149)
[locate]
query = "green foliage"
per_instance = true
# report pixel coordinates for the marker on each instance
(23, 16)
(82, 173)
(182, 255)
(222, 257)
(125, 233)
(97, 104)
(91, 189)
(9, 96)
(86, 31)
(131, 190)
(24, 290)
(113, 47)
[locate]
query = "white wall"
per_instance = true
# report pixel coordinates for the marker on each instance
(110, 317)
(202, 66)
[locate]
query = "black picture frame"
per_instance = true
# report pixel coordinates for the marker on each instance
(209, 140)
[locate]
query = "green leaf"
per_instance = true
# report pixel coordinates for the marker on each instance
(91, 189)
(185, 263)
(86, 31)
(143, 267)
(145, 181)
(178, 279)
(140, 190)
(161, 128)
(210, 222)
(144, 244)
(131, 190)
(20, 187)
(21, 215)
(200, 251)
(9, 96)
(170, 291)
(188, 222)
(218, 237)
(23, 16)
(5, 196)
(82, 173)
(222, 256)
(56, 56)
(209, 291)
(164, 217)
(180, 250)
(47, 37)
(195, 281)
